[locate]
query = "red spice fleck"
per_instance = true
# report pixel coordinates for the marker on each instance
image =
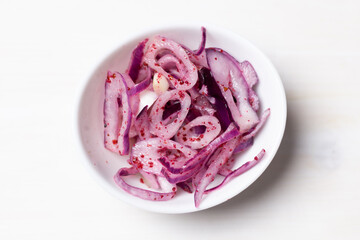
(174, 189)
(114, 141)
(151, 164)
(215, 58)
(256, 158)
(208, 175)
(181, 94)
(142, 155)
(251, 101)
(113, 76)
(163, 39)
(175, 120)
(184, 139)
(161, 196)
(201, 135)
(156, 64)
(141, 180)
(221, 50)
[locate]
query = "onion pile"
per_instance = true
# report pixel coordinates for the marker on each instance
(205, 114)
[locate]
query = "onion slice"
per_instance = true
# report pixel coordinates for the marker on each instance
(188, 73)
(136, 60)
(216, 162)
(188, 136)
(146, 154)
(157, 126)
(144, 84)
(232, 85)
(116, 130)
(199, 158)
(138, 192)
(142, 124)
(244, 168)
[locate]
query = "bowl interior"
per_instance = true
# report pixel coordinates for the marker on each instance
(103, 164)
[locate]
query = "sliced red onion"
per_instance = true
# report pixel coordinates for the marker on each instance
(171, 107)
(170, 118)
(193, 93)
(188, 137)
(204, 91)
(222, 99)
(251, 78)
(219, 104)
(138, 192)
(150, 179)
(187, 78)
(244, 168)
(198, 159)
(249, 73)
(180, 177)
(136, 59)
(165, 185)
(193, 113)
(216, 162)
(116, 132)
(138, 88)
(145, 154)
(128, 171)
(134, 104)
(198, 57)
(203, 105)
(142, 125)
(244, 144)
(185, 186)
(157, 126)
(172, 65)
(203, 42)
(226, 169)
(254, 100)
(232, 85)
(261, 123)
(200, 173)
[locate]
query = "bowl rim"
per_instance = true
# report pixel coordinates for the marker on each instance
(131, 37)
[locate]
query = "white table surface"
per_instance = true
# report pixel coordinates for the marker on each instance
(311, 189)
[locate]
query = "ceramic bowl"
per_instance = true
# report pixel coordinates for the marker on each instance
(103, 164)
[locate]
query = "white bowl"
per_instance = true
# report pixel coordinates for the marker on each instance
(103, 164)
